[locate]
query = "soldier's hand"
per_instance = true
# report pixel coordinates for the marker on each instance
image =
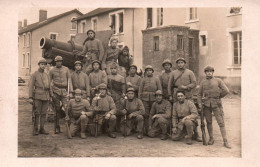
(130, 116)
(108, 116)
(71, 95)
(155, 116)
(30, 100)
(174, 130)
(129, 84)
(183, 119)
(183, 87)
(124, 111)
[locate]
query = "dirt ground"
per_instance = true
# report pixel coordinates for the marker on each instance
(57, 145)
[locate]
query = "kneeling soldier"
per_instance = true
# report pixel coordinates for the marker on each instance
(159, 117)
(79, 110)
(184, 114)
(104, 110)
(133, 111)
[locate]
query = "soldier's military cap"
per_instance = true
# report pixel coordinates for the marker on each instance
(77, 91)
(78, 62)
(102, 86)
(181, 59)
(114, 65)
(96, 61)
(131, 89)
(149, 67)
(167, 61)
(158, 92)
(58, 58)
(133, 66)
(208, 68)
(42, 61)
(91, 31)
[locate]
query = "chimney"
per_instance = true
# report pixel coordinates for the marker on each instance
(25, 23)
(20, 25)
(42, 15)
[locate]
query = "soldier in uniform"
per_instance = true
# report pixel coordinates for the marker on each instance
(133, 80)
(148, 86)
(79, 110)
(80, 81)
(116, 87)
(165, 76)
(40, 92)
(60, 78)
(133, 109)
(159, 117)
(125, 59)
(184, 115)
(104, 110)
(211, 91)
(96, 77)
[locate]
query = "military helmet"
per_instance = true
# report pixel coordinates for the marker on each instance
(77, 91)
(96, 61)
(42, 61)
(158, 92)
(167, 61)
(58, 58)
(91, 31)
(125, 48)
(133, 66)
(78, 62)
(102, 86)
(149, 67)
(114, 65)
(208, 68)
(181, 59)
(113, 39)
(131, 89)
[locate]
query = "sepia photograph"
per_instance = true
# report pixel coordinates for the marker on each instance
(129, 82)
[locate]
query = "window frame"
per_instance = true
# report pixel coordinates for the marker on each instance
(159, 17)
(74, 22)
(182, 42)
(81, 25)
(154, 43)
(24, 40)
(92, 23)
(116, 14)
(239, 54)
(54, 33)
(234, 14)
(191, 20)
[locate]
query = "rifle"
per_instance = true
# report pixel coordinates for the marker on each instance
(202, 126)
(171, 125)
(33, 118)
(96, 116)
(66, 122)
(125, 117)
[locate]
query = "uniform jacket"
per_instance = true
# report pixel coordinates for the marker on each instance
(164, 79)
(163, 109)
(148, 87)
(104, 105)
(211, 90)
(135, 81)
(94, 46)
(80, 81)
(39, 86)
(117, 85)
(125, 61)
(60, 78)
(111, 55)
(76, 107)
(134, 106)
(187, 109)
(97, 77)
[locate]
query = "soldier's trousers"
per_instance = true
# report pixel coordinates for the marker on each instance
(57, 99)
(187, 127)
(79, 125)
(159, 126)
(111, 122)
(135, 122)
(40, 112)
(219, 115)
(147, 107)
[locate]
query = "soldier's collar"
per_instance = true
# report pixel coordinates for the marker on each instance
(40, 70)
(78, 71)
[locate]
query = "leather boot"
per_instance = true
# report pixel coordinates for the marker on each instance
(188, 140)
(42, 122)
(226, 144)
(83, 132)
(189, 134)
(177, 136)
(196, 135)
(164, 137)
(211, 141)
(164, 131)
(36, 132)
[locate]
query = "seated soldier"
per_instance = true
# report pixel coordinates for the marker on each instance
(184, 115)
(159, 117)
(133, 112)
(79, 110)
(104, 111)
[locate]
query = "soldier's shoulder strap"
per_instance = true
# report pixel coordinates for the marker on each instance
(175, 80)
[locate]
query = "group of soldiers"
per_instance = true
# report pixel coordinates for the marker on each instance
(105, 95)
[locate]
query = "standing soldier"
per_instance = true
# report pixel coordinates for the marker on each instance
(125, 59)
(60, 78)
(80, 81)
(184, 115)
(148, 86)
(39, 93)
(96, 77)
(159, 117)
(133, 109)
(211, 91)
(182, 79)
(79, 110)
(165, 76)
(104, 111)
(133, 80)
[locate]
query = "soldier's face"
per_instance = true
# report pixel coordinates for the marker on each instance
(96, 66)
(102, 92)
(42, 66)
(181, 64)
(149, 72)
(180, 97)
(167, 66)
(125, 52)
(78, 67)
(130, 95)
(114, 44)
(209, 73)
(58, 63)
(132, 70)
(113, 70)
(91, 35)
(159, 98)
(77, 97)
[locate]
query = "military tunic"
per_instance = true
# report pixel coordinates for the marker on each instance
(110, 57)
(135, 81)
(164, 79)
(80, 81)
(96, 78)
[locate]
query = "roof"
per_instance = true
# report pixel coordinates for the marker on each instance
(95, 12)
(47, 21)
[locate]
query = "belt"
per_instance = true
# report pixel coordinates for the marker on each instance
(42, 88)
(61, 87)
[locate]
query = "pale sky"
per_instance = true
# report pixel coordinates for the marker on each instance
(32, 14)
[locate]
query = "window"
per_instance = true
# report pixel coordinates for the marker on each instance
(83, 26)
(190, 47)
(149, 17)
(53, 36)
(156, 43)
(121, 22)
(203, 40)
(28, 39)
(73, 24)
(24, 40)
(94, 25)
(24, 60)
(180, 42)
(192, 13)
(237, 47)
(28, 60)
(159, 16)
(113, 23)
